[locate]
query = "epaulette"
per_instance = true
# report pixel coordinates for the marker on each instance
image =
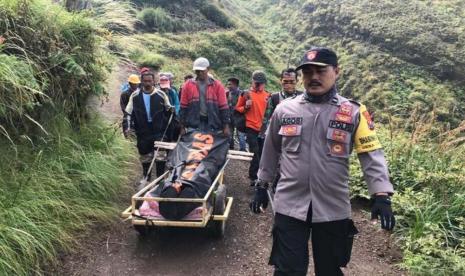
(355, 102)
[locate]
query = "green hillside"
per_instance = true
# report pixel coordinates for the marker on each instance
(399, 57)
(59, 161)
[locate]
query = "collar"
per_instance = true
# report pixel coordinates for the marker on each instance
(154, 90)
(210, 80)
(321, 98)
(286, 95)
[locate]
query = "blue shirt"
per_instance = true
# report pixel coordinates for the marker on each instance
(147, 106)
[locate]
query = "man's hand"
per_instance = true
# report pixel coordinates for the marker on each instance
(226, 131)
(381, 207)
(182, 130)
(260, 199)
(248, 104)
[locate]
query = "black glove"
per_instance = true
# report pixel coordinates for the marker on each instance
(260, 199)
(381, 206)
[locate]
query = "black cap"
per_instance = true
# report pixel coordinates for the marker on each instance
(234, 79)
(318, 56)
(259, 76)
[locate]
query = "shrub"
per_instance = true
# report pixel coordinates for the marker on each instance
(148, 59)
(157, 19)
(217, 16)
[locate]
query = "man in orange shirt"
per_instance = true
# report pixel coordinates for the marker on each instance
(253, 104)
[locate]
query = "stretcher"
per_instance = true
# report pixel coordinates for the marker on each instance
(213, 211)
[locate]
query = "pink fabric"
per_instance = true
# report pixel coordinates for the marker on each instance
(150, 209)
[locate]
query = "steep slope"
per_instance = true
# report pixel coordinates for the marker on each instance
(399, 57)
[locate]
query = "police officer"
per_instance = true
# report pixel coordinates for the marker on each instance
(313, 136)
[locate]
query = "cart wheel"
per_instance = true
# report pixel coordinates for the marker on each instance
(219, 226)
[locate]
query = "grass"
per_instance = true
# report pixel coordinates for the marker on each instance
(119, 17)
(49, 191)
(61, 168)
(49, 58)
(231, 53)
(429, 179)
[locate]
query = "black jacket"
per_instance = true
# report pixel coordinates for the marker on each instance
(136, 114)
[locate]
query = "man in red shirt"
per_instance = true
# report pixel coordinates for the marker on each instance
(253, 104)
(203, 101)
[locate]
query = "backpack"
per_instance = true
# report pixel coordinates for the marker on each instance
(238, 119)
(276, 99)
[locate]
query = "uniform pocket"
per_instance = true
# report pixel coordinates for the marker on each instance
(291, 137)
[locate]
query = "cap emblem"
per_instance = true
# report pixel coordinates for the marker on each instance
(311, 55)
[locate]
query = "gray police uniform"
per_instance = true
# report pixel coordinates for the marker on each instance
(313, 142)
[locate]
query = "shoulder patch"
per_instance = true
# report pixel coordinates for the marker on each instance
(366, 139)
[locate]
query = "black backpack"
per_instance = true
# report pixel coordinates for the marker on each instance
(238, 119)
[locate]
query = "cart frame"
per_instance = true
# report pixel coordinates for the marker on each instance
(208, 203)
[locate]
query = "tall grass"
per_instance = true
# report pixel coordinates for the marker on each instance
(60, 167)
(49, 57)
(51, 190)
(119, 17)
(429, 178)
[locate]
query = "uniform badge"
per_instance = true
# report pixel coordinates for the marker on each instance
(343, 118)
(337, 149)
(346, 109)
(289, 130)
(339, 135)
(371, 124)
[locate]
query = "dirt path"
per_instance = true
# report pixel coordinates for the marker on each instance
(119, 250)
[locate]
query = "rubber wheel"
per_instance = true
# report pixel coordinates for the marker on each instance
(218, 226)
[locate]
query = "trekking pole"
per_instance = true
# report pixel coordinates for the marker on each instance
(158, 148)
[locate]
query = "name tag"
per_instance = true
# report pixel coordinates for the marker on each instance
(291, 121)
(341, 125)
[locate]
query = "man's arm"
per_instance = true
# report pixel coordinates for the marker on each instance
(128, 123)
(371, 155)
(223, 105)
(375, 172)
(123, 100)
(240, 105)
(268, 113)
(184, 104)
(271, 149)
(375, 169)
(174, 96)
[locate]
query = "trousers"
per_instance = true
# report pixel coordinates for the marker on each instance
(331, 245)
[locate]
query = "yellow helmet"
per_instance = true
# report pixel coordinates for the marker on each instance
(134, 79)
